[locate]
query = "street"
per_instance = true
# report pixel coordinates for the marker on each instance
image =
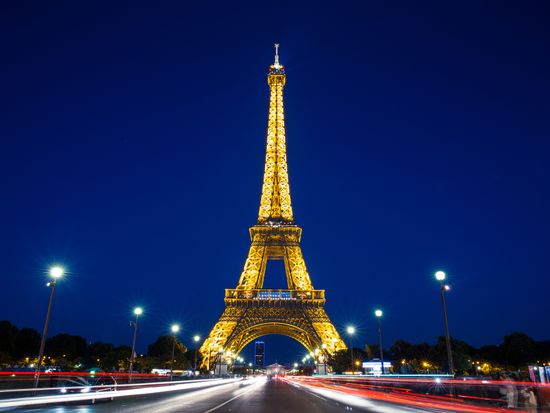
(253, 396)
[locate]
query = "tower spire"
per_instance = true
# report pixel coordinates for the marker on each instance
(276, 64)
(275, 205)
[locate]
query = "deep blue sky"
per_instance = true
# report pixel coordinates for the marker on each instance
(132, 148)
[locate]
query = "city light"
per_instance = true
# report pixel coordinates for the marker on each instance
(138, 311)
(378, 313)
(56, 272)
(440, 275)
(350, 330)
(196, 339)
(175, 328)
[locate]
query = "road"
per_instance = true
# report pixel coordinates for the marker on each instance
(260, 395)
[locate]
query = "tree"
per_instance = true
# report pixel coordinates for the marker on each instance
(161, 349)
(8, 336)
(517, 349)
(116, 359)
(340, 361)
(27, 343)
(96, 352)
(542, 351)
(462, 354)
(67, 346)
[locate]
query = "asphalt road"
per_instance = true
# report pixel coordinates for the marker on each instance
(261, 396)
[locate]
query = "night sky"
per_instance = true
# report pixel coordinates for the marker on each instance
(132, 150)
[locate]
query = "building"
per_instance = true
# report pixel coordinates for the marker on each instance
(276, 369)
(374, 367)
(259, 354)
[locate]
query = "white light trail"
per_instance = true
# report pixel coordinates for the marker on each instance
(212, 385)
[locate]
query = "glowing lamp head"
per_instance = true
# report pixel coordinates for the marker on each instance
(175, 328)
(56, 272)
(138, 311)
(440, 275)
(378, 313)
(447, 287)
(196, 338)
(350, 330)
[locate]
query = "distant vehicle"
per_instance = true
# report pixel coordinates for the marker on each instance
(71, 385)
(161, 372)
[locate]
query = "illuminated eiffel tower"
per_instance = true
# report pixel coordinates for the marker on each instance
(251, 311)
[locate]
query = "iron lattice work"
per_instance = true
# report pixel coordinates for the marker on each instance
(251, 311)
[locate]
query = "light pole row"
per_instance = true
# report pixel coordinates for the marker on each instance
(174, 328)
(439, 276)
(55, 274)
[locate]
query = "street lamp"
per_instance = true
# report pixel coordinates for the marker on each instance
(196, 339)
(441, 276)
(55, 273)
(175, 329)
(137, 312)
(378, 314)
(351, 331)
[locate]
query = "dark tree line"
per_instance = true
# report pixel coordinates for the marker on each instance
(19, 347)
(516, 351)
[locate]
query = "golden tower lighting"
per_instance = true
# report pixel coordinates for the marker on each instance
(250, 310)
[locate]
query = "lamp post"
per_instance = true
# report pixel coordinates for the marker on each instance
(175, 328)
(196, 340)
(351, 331)
(137, 312)
(378, 314)
(441, 276)
(55, 273)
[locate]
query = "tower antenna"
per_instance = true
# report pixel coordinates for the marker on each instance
(276, 64)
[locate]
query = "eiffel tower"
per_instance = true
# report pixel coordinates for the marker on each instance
(251, 311)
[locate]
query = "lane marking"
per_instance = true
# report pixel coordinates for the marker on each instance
(316, 395)
(253, 387)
